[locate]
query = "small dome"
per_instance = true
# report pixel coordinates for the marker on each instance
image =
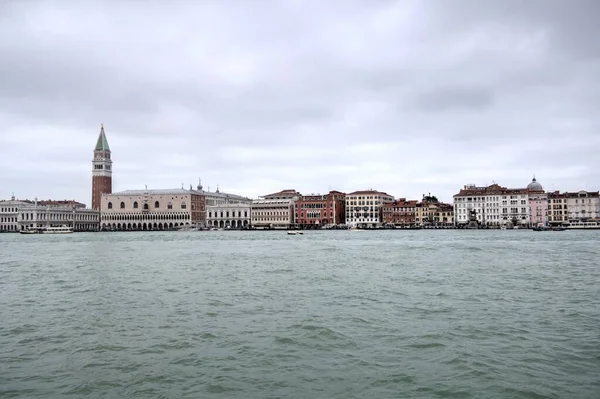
(534, 185)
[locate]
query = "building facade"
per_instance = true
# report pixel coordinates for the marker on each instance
(558, 213)
(9, 215)
(434, 214)
(272, 213)
(538, 209)
(495, 205)
(316, 210)
(152, 209)
(58, 213)
(583, 206)
(399, 213)
(365, 208)
(101, 170)
(229, 216)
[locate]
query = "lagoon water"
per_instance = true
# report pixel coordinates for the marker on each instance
(329, 314)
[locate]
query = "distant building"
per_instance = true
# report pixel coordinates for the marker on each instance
(558, 213)
(161, 209)
(9, 214)
(274, 211)
(583, 206)
(58, 213)
(400, 212)
(538, 204)
(101, 170)
(365, 208)
(229, 216)
(495, 205)
(434, 214)
(317, 210)
(283, 194)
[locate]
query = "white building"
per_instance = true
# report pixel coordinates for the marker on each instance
(272, 213)
(9, 214)
(494, 205)
(365, 208)
(583, 206)
(58, 213)
(234, 216)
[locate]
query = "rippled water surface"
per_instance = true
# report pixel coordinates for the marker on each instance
(390, 314)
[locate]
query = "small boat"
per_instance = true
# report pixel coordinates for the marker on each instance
(292, 233)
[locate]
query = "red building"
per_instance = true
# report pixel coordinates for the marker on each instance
(400, 212)
(316, 210)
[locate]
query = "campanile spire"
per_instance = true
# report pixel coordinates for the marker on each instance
(101, 169)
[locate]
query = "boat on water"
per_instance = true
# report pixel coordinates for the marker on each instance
(543, 227)
(293, 233)
(48, 230)
(583, 226)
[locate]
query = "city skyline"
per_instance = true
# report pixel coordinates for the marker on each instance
(402, 97)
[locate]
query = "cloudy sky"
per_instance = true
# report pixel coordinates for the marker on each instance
(407, 97)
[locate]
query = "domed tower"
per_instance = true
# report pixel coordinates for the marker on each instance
(534, 185)
(101, 170)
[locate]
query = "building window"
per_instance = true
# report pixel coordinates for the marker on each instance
(110, 205)
(183, 206)
(145, 207)
(169, 206)
(122, 205)
(156, 204)
(135, 205)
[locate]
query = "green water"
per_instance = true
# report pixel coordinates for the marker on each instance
(332, 314)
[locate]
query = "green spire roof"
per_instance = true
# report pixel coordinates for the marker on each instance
(102, 143)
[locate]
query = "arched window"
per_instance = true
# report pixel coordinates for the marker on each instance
(122, 205)
(110, 205)
(156, 204)
(145, 207)
(135, 205)
(183, 205)
(169, 206)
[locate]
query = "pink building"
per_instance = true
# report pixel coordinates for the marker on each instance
(538, 204)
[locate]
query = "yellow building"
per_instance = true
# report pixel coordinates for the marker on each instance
(434, 214)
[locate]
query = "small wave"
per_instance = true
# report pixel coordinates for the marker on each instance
(279, 271)
(286, 341)
(427, 345)
(219, 388)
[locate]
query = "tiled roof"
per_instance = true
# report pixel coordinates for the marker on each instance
(401, 204)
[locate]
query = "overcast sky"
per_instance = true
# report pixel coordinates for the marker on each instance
(408, 97)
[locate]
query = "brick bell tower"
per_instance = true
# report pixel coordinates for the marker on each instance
(101, 170)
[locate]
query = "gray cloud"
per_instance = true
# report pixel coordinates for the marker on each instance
(405, 96)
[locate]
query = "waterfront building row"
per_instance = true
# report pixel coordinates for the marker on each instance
(17, 215)
(529, 206)
(198, 208)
